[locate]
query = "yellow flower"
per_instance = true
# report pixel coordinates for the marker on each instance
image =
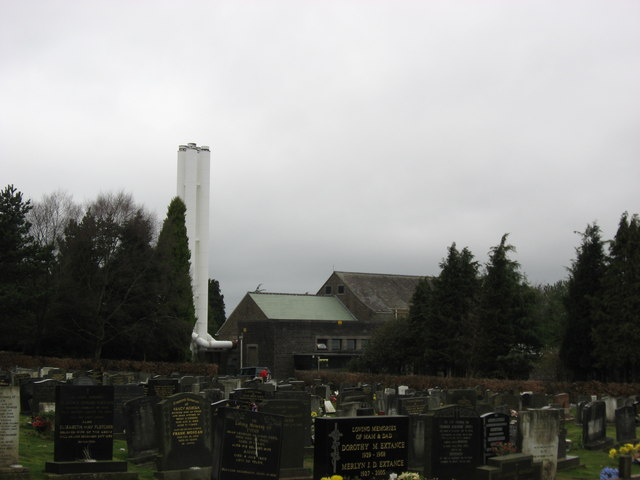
(314, 414)
(613, 453)
(336, 477)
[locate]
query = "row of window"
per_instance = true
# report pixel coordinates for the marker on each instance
(342, 344)
(328, 290)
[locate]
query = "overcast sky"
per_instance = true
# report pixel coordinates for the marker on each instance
(346, 135)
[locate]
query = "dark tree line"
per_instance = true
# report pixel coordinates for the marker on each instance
(603, 306)
(96, 281)
(464, 322)
(490, 322)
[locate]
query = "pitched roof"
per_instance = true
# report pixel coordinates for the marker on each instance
(382, 292)
(286, 306)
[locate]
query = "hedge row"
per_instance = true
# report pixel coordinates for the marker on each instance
(9, 360)
(574, 389)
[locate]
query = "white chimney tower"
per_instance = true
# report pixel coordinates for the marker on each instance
(193, 189)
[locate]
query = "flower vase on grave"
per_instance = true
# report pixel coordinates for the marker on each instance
(624, 467)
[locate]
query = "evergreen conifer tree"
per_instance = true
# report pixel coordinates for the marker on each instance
(616, 333)
(175, 316)
(582, 302)
(508, 340)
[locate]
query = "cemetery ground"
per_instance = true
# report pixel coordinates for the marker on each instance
(36, 449)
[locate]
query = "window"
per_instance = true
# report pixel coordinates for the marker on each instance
(321, 344)
(350, 344)
(336, 344)
(327, 289)
(340, 289)
(252, 355)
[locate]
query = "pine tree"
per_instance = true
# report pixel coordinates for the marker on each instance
(449, 333)
(175, 316)
(24, 268)
(582, 302)
(216, 314)
(508, 340)
(419, 323)
(616, 333)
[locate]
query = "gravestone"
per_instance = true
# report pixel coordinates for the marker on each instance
(365, 447)
(464, 397)
(417, 426)
(184, 430)
(391, 403)
(83, 380)
(9, 425)
(84, 423)
(322, 391)
(121, 394)
(413, 405)
(229, 385)
(245, 397)
(141, 435)
(594, 426)
(44, 391)
(610, 408)
(26, 394)
(495, 430)
(348, 409)
(563, 400)
(508, 399)
(58, 374)
(453, 443)
(163, 387)
(189, 384)
(212, 395)
(83, 436)
(538, 400)
(296, 433)
(247, 445)
(538, 436)
(579, 409)
(625, 418)
(517, 466)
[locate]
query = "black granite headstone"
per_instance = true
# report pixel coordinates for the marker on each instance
(44, 391)
(625, 424)
(365, 447)
(413, 405)
(84, 423)
(594, 426)
(248, 396)
(163, 387)
(247, 445)
(453, 443)
(495, 428)
(184, 428)
(296, 429)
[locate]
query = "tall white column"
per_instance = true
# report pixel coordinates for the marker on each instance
(193, 189)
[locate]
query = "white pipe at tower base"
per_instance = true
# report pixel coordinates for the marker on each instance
(193, 189)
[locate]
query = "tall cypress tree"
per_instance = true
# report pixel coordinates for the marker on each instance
(616, 333)
(508, 340)
(582, 303)
(450, 332)
(175, 316)
(216, 314)
(419, 323)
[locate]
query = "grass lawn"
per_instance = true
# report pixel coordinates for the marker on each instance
(37, 448)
